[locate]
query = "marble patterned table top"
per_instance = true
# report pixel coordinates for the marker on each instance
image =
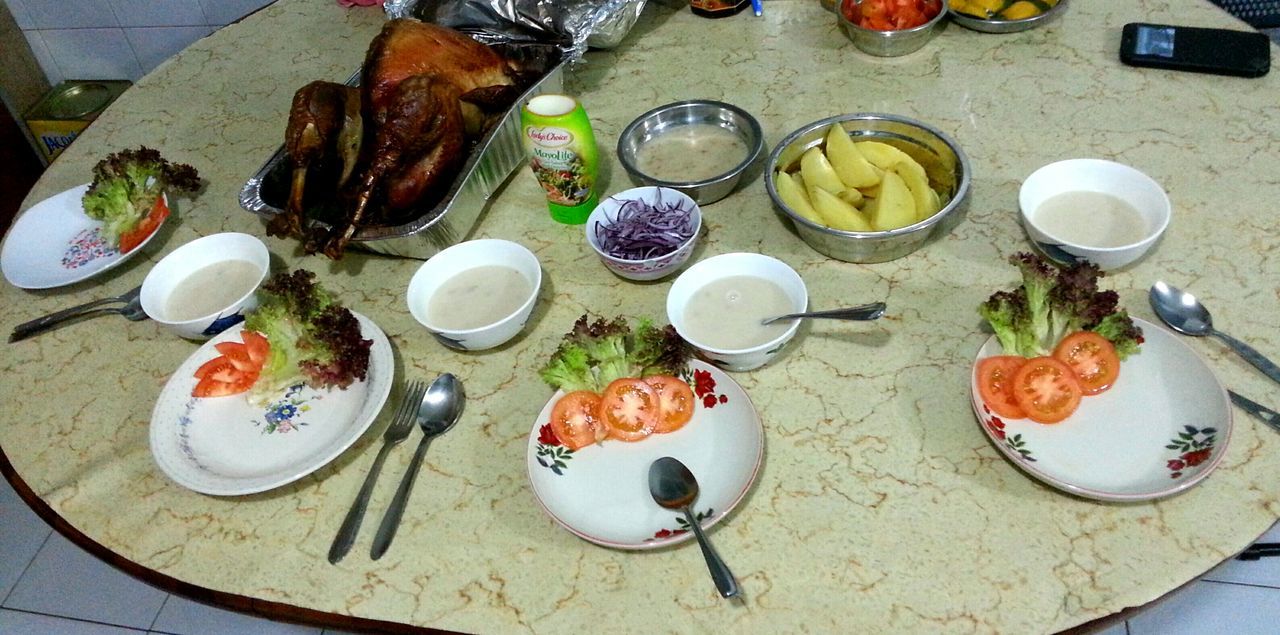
(880, 506)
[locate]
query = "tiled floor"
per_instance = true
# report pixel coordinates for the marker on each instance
(48, 586)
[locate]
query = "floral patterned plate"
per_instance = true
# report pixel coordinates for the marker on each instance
(54, 244)
(1160, 430)
(227, 446)
(601, 492)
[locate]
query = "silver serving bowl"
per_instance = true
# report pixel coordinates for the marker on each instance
(943, 160)
(1008, 26)
(664, 119)
(888, 43)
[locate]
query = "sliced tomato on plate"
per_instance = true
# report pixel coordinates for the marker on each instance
(995, 384)
(676, 402)
(235, 370)
(630, 407)
(148, 225)
(1092, 358)
(1047, 390)
(238, 354)
(575, 419)
(257, 345)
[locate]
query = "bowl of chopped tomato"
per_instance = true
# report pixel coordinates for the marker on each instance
(888, 28)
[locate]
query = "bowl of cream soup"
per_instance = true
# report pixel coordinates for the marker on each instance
(718, 304)
(207, 285)
(477, 294)
(699, 147)
(1091, 209)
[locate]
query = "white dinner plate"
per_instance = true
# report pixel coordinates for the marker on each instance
(227, 446)
(601, 492)
(54, 244)
(1162, 428)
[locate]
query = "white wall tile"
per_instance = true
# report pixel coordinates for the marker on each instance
(132, 13)
(181, 616)
(34, 624)
(20, 539)
(18, 9)
(44, 57)
(70, 14)
(224, 12)
(154, 45)
(1211, 607)
(92, 53)
(66, 581)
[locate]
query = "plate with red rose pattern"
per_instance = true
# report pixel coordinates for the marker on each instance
(1161, 428)
(600, 493)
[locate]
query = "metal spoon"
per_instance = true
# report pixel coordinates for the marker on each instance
(440, 410)
(861, 312)
(132, 310)
(672, 486)
(1184, 314)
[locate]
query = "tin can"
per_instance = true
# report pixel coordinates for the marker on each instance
(57, 119)
(562, 154)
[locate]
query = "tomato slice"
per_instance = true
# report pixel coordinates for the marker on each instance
(1092, 358)
(676, 402)
(149, 224)
(576, 420)
(995, 384)
(221, 384)
(1046, 389)
(257, 345)
(238, 354)
(630, 408)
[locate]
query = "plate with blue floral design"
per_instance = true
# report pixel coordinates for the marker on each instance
(229, 446)
(600, 493)
(1158, 431)
(54, 244)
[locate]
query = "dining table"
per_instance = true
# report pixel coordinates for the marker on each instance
(879, 504)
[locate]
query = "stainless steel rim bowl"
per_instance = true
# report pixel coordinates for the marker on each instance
(658, 121)
(946, 164)
(1008, 26)
(888, 43)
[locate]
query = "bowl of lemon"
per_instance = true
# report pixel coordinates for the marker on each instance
(869, 187)
(1004, 16)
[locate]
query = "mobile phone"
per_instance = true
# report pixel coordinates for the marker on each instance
(1196, 49)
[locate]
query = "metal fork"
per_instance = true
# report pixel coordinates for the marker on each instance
(132, 310)
(398, 430)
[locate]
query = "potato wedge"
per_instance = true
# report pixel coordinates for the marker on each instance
(837, 213)
(817, 171)
(885, 156)
(852, 168)
(921, 195)
(895, 207)
(852, 196)
(795, 198)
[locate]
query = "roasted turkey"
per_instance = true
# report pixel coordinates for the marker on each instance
(425, 91)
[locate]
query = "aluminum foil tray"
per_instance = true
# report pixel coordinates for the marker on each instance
(493, 160)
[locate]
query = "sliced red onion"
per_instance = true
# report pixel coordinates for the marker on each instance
(639, 231)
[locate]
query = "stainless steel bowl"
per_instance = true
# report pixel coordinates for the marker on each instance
(888, 43)
(1008, 26)
(943, 160)
(664, 119)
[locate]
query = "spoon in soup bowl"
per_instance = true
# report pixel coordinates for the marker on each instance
(861, 312)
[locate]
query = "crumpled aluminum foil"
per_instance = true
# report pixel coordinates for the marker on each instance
(573, 25)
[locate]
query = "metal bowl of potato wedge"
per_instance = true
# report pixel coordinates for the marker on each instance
(1004, 16)
(869, 187)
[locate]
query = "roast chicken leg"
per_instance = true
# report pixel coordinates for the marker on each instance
(325, 118)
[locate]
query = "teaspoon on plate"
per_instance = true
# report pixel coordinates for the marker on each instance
(870, 311)
(1185, 314)
(674, 487)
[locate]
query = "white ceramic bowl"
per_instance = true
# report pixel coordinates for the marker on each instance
(729, 265)
(189, 260)
(1094, 175)
(443, 266)
(650, 268)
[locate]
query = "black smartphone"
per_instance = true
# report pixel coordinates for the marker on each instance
(1201, 50)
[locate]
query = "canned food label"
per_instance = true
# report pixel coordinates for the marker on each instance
(54, 136)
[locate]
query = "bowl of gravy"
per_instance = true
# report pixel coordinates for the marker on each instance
(699, 147)
(477, 294)
(718, 304)
(1092, 209)
(207, 285)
